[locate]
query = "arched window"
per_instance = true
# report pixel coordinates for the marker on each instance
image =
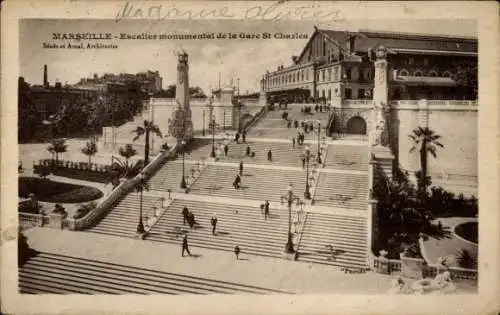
(433, 73)
(329, 74)
(307, 74)
(403, 73)
(417, 73)
(301, 75)
(323, 75)
(446, 74)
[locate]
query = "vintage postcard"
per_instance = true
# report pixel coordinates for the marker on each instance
(245, 157)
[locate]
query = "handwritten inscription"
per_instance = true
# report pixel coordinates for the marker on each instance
(275, 11)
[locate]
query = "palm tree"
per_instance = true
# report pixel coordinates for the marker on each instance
(90, 149)
(124, 168)
(147, 127)
(426, 141)
(141, 185)
(57, 146)
(127, 152)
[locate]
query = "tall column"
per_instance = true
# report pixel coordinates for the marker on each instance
(182, 94)
(45, 79)
(379, 133)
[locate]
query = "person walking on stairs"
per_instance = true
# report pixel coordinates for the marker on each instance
(185, 246)
(237, 181)
(226, 149)
(303, 163)
(293, 142)
(244, 136)
(248, 150)
(241, 168)
(269, 155)
(266, 209)
(213, 222)
(185, 213)
(237, 251)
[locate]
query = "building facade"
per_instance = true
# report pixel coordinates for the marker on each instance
(427, 81)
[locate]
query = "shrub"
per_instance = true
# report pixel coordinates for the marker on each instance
(466, 259)
(84, 209)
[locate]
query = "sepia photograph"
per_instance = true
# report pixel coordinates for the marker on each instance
(247, 157)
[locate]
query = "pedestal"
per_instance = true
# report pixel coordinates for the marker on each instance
(56, 221)
(384, 157)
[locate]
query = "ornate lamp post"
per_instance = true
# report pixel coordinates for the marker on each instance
(289, 197)
(203, 123)
(224, 120)
(319, 132)
(212, 154)
(307, 155)
(141, 186)
(183, 180)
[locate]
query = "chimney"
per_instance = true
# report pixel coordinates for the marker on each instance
(45, 81)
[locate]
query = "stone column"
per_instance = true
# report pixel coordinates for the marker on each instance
(182, 93)
(262, 96)
(379, 134)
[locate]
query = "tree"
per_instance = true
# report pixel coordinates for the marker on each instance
(90, 149)
(43, 171)
(125, 168)
(127, 152)
(425, 141)
(57, 146)
(146, 129)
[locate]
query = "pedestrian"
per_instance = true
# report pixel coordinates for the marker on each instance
(293, 142)
(237, 251)
(241, 168)
(213, 222)
(295, 124)
(332, 252)
(269, 155)
(289, 124)
(185, 246)
(226, 149)
(303, 162)
(191, 221)
(185, 213)
(244, 136)
(237, 137)
(266, 209)
(248, 150)
(237, 181)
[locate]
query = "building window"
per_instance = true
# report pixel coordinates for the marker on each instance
(361, 94)
(335, 73)
(426, 61)
(322, 75)
(411, 60)
(329, 74)
(329, 94)
(446, 74)
(301, 75)
(403, 73)
(307, 74)
(348, 93)
(367, 73)
(432, 73)
(417, 73)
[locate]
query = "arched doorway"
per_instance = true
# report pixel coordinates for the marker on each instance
(356, 125)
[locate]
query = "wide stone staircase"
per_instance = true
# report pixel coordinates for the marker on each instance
(256, 183)
(342, 190)
(122, 220)
(346, 234)
(237, 225)
(352, 157)
(60, 274)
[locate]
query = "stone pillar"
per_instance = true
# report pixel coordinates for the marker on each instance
(423, 113)
(56, 221)
(379, 133)
(262, 95)
(182, 93)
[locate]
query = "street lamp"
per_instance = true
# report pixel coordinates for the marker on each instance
(212, 154)
(307, 193)
(183, 180)
(289, 197)
(319, 132)
(203, 122)
(224, 121)
(140, 225)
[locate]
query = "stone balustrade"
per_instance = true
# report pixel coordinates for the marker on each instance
(28, 220)
(434, 102)
(118, 193)
(352, 102)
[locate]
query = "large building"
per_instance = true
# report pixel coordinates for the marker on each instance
(430, 81)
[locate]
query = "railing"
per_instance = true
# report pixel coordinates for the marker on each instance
(28, 220)
(391, 265)
(350, 102)
(73, 165)
(434, 102)
(118, 194)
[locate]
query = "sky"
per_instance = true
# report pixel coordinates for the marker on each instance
(245, 59)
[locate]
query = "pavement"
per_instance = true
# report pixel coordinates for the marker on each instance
(277, 274)
(449, 246)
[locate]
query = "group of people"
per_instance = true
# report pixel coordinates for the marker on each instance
(243, 137)
(188, 217)
(265, 208)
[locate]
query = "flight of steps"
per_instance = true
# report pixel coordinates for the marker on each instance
(346, 234)
(59, 274)
(169, 176)
(353, 157)
(283, 154)
(122, 219)
(237, 225)
(256, 183)
(342, 190)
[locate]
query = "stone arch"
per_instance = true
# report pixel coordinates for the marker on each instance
(356, 125)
